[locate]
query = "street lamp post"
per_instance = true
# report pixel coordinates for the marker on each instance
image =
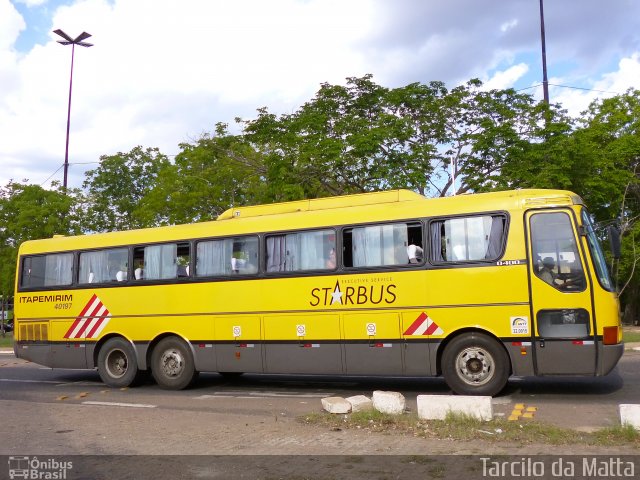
(73, 42)
(545, 83)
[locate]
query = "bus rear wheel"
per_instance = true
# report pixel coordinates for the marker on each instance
(172, 364)
(475, 364)
(117, 364)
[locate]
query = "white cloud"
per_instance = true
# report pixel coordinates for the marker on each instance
(611, 83)
(164, 71)
(506, 78)
(32, 3)
(511, 24)
(11, 24)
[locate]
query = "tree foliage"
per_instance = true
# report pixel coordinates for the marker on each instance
(30, 212)
(116, 190)
(208, 176)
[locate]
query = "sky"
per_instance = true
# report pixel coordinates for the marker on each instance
(163, 72)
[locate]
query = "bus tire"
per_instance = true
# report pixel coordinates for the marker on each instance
(172, 364)
(117, 363)
(475, 364)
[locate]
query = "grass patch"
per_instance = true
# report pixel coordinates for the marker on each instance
(461, 427)
(629, 336)
(7, 340)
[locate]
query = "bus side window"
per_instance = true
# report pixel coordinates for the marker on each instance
(467, 239)
(47, 270)
(228, 256)
(383, 245)
(297, 251)
(156, 262)
(100, 266)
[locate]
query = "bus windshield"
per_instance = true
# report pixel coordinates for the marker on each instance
(596, 252)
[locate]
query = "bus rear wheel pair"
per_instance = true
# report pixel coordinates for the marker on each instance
(172, 364)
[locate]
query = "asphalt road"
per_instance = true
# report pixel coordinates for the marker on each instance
(62, 412)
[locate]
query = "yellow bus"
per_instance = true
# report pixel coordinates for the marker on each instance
(475, 288)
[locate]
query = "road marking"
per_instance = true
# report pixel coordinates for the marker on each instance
(27, 381)
(81, 383)
(6, 353)
(118, 404)
(264, 395)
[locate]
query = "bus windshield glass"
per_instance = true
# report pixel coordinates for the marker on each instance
(596, 252)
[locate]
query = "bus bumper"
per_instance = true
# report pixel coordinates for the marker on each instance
(610, 356)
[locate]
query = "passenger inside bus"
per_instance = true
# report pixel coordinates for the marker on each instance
(414, 253)
(331, 259)
(121, 275)
(138, 272)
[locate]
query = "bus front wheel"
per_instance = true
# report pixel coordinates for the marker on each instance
(117, 364)
(475, 364)
(172, 364)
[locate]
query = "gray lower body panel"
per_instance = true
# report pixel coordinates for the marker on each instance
(609, 357)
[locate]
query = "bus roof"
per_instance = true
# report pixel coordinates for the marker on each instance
(320, 212)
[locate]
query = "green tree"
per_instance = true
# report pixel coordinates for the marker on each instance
(208, 176)
(610, 140)
(362, 137)
(115, 191)
(29, 212)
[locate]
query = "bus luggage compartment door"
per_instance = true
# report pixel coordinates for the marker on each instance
(372, 344)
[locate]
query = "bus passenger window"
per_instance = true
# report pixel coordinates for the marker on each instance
(381, 245)
(101, 266)
(229, 256)
(467, 239)
(47, 270)
(155, 262)
(310, 250)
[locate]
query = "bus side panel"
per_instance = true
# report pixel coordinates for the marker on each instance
(238, 343)
(66, 354)
(40, 354)
(419, 358)
(373, 345)
(303, 344)
(521, 358)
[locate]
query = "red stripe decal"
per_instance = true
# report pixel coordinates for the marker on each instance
(79, 317)
(90, 316)
(414, 326)
(97, 325)
(86, 307)
(432, 328)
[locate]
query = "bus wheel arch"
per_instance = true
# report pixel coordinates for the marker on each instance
(474, 362)
(117, 362)
(172, 362)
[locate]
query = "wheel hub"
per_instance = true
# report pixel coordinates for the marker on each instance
(117, 363)
(475, 365)
(172, 363)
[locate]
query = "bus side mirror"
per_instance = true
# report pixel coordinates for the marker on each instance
(614, 241)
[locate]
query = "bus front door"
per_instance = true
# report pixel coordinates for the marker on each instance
(563, 323)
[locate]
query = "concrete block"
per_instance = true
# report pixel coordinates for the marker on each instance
(630, 414)
(389, 402)
(336, 405)
(360, 403)
(436, 407)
